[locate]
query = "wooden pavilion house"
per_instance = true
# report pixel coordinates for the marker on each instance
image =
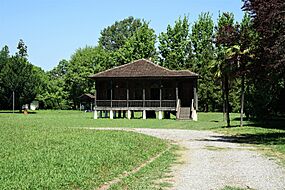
(86, 102)
(146, 87)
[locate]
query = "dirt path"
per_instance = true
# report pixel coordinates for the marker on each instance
(209, 162)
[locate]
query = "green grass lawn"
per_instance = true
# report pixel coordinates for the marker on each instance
(41, 151)
(53, 149)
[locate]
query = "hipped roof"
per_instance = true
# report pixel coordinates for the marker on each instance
(141, 69)
(86, 96)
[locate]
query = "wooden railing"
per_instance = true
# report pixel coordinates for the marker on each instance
(136, 103)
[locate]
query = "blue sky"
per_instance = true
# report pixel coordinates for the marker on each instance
(54, 29)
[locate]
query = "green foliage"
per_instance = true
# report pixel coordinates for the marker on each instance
(226, 38)
(140, 45)
(18, 76)
(83, 63)
(202, 38)
(175, 45)
(269, 22)
(115, 36)
(55, 95)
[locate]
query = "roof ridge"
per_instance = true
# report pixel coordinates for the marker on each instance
(124, 65)
(145, 66)
(119, 66)
(186, 71)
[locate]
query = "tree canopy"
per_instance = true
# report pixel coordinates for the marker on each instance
(175, 45)
(18, 75)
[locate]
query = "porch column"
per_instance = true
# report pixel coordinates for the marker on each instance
(160, 96)
(95, 99)
(176, 92)
(95, 114)
(143, 97)
(95, 105)
(111, 94)
(144, 114)
(160, 115)
(194, 115)
(129, 114)
(144, 111)
(195, 98)
(111, 114)
(193, 112)
(128, 94)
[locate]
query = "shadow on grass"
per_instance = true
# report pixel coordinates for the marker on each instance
(274, 123)
(16, 112)
(258, 139)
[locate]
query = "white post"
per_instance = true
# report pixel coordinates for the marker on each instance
(95, 114)
(129, 114)
(194, 115)
(160, 115)
(111, 114)
(144, 114)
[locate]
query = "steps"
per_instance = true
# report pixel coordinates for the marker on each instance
(185, 113)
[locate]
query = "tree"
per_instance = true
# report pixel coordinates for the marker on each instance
(4, 59)
(83, 63)
(175, 45)
(269, 22)
(55, 95)
(22, 49)
(226, 37)
(202, 39)
(244, 55)
(140, 45)
(19, 76)
(115, 36)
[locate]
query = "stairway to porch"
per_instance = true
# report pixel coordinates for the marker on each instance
(185, 113)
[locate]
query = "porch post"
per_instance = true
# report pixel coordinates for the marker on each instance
(195, 97)
(195, 103)
(129, 114)
(111, 93)
(111, 114)
(95, 114)
(160, 96)
(143, 97)
(176, 92)
(144, 114)
(128, 94)
(95, 99)
(144, 111)
(160, 115)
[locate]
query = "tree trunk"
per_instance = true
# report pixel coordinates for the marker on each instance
(224, 101)
(227, 100)
(242, 100)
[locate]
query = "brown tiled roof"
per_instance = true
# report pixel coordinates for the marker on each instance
(86, 96)
(142, 68)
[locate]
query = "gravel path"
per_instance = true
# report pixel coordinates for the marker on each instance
(209, 162)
